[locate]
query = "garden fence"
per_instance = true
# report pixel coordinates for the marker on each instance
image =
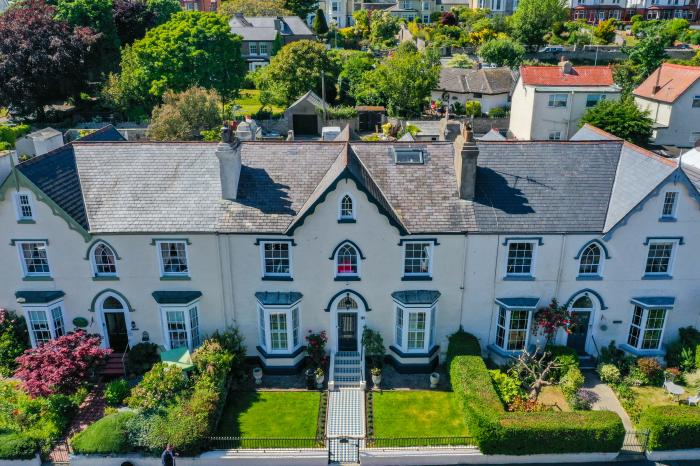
(259, 443)
(420, 442)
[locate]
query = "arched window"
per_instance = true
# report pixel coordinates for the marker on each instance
(590, 260)
(584, 302)
(346, 261)
(112, 304)
(347, 209)
(104, 261)
(347, 303)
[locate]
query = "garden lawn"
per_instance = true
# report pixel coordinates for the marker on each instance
(416, 413)
(249, 101)
(270, 414)
(553, 396)
(653, 396)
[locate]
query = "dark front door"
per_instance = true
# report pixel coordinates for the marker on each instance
(116, 331)
(579, 331)
(305, 124)
(347, 331)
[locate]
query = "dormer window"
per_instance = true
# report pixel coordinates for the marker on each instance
(407, 156)
(23, 206)
(668, 211)
(346, 210)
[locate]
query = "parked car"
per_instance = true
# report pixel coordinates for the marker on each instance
(552, 49)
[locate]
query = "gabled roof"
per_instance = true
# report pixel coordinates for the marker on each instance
(310, 97)
(672, 81)
(579, 76)
(56, 175)
(267, 27)
(485, 80)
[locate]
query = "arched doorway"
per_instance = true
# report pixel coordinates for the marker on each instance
(347, 310)
(112, 310)
(582, 310)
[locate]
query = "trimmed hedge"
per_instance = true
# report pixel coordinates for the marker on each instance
(15, 446)
(108, 435)
(672, 427)
(499, 432)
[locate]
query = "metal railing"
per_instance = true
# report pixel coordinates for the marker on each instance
(595, 346)
(262, 443)
(124, 358)
(363, 382)
(635, 443)
(420, 442)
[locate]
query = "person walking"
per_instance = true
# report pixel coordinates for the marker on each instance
(168, 456)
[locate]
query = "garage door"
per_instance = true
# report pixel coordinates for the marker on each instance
(305, 124)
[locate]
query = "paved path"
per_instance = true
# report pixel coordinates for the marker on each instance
(346, 417)
(607, 401)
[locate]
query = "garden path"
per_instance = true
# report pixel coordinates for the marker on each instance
(607, 401)
(91, 410)
(346, 424)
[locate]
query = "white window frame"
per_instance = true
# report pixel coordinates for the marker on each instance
(508, 313)
(429, 273)
(93, 262)
(265, 333)
(342, 217)
(263, 269)
(47, 309)
(533, 259)
(163, 273)
(193, 341)
(555, 99)
(671, 260)
(18, 207)
(252, 48)
(260, 49)
(601, 261)
(23, 263)
(406, 311)
(643, 329)
(336, 274)
(554, 136)
(674, 205)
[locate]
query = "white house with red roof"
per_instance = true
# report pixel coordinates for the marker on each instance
(672, 96)
(549, 101)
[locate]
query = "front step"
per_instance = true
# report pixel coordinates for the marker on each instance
(347, 370)
(586, 362)
(114, 367)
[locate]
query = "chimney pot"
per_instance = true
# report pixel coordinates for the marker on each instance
(290, 135)
(229, 155)
(566, 66)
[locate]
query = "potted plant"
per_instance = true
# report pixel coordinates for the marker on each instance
(257, 375)
(376, 376)
(320, 377)
(434, 379)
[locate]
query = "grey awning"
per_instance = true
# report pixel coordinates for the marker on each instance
(39, 297)
(416, 296)
(278, 298)
(175, 297)
(654, 301)
(518, 303)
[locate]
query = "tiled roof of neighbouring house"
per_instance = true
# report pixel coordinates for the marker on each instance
(579, 76)
(266, 27)
(668, 82)
(484, 81)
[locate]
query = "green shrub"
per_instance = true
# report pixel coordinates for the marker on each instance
(571, 383)
(498, 112)
(498, 432)
(672, 427)
(142, 357)
(636, 377)
(14, 446)
(116, 392)
(341, 112)
(10, 134)
(158, 388)
(108, 435)
(565, 357)
(14, 338)
(651, 369)
(473, 108)
(609, 374)
(507, 386)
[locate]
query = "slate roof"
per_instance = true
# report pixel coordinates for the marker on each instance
(485, 80)
(263, 27)
(673, 80)
(310, 97)
(39, 297)
(580, 76)
(278, 298)
(416, 296)
(175, 297)
(55, 174)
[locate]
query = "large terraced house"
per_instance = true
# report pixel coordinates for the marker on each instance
(167, 242)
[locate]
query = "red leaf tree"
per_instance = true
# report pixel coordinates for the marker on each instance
(61, 365)
(551, 318)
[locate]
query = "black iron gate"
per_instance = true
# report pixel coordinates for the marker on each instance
(635, 443)
(344, 449)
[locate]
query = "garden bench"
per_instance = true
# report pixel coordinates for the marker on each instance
(674, 390)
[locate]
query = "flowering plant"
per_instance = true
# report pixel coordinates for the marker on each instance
(551, 318)
(316, 347)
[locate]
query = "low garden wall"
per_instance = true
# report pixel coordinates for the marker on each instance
(315, 457)
(674, 455)
(498, 432)
(36, 461)
(430, 456)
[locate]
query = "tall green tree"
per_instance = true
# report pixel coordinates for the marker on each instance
(184, 115)
(301, 8)
(295, 70)
(192, 49)
(383, 27)
(320, 26)
(622, 118)
(162, 10)
(534, 18)
(647, 55)
(352, 65)
(254, 8)
(502, 52)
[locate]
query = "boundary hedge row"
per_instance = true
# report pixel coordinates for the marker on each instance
(499, 432)
(672, 427)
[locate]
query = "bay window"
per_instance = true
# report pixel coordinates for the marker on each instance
(513, 323)
(181, 325)
(279, 321)
(647, 324)
(414, 320)
(45, 322)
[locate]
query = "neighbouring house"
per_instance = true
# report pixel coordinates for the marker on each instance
(259, 34)
(671, 95)
(39, 142)
(549, 101)
(434, 130)
(199, 5)
(594, 11)
(491, 87)
(497, 7)
(168, 242)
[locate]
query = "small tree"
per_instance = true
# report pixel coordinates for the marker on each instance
(62, 365)
(184, 115)
(472, 108)
(373, 343)
(533, 370)
(605, 31)
(448, 19)
(13, 341)
(255, 8)
(552, 318)
(622, 118)
(534, 18)
(502, 52)
(316, 348)
(460, 60)
(320, 26)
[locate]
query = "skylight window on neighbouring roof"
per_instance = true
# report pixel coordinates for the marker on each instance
(408, 156)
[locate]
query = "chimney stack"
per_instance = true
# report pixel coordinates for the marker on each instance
(566, 66)
(229, 154)
(466, 154)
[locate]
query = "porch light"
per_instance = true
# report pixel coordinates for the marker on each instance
(347, 301)
(145, 337)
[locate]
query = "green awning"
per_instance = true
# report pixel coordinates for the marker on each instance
(179, 357)
(175, 297)
(39, 297)
(416, 296)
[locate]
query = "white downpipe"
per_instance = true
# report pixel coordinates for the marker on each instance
(363, 382)
(331, 373)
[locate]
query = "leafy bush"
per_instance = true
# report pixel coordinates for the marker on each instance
(158, 387)
(571, 383)
(498, 432)
(687, 358)
(651, 369)
(565, 357)
(583, 400)
(61, 365)
(116, 392)
(143, 356)
(14, 340)
(14, 446)
(507, 386)
(341, 112)
(472, 108)
(108, 435)
(611, 354)
(672, 427)
(498, 112)
(10, 134)
(609, 374)
(636, 377)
